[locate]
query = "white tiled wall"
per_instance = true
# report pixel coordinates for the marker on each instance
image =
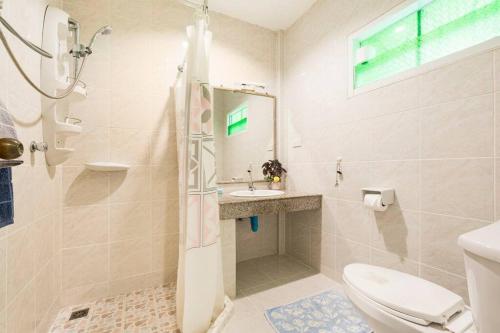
(432, 137)
(82, 235)
(29, 249)
(129, 235)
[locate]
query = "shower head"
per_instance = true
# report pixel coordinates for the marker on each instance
(106, 30)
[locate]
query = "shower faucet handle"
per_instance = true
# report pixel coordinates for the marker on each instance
(38, 146)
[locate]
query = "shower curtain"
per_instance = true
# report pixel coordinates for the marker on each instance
(200, 290)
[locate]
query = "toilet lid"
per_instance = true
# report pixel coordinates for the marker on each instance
(404, 293)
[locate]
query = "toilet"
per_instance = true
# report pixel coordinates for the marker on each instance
(396, 302)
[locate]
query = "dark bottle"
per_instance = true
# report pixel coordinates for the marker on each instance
(10, 148)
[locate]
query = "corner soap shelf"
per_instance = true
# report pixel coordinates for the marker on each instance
(107, 166)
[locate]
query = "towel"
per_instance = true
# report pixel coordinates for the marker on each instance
(7, 130)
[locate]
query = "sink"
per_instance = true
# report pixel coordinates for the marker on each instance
(256, 193)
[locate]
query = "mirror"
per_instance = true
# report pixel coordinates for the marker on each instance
(245, 133)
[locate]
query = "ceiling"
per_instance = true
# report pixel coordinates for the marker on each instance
(271, 14)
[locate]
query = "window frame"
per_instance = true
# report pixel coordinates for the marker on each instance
(396, 13)
(242, 108)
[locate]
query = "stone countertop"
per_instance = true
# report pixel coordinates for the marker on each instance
(238, 207)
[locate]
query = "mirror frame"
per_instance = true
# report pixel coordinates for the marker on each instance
(275, 124)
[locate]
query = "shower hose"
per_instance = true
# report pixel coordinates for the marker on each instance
(65, 93)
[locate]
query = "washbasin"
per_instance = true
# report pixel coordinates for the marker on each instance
(256, 193)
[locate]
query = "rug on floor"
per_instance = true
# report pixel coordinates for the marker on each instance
(328, 312)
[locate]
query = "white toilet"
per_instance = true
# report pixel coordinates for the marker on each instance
(395, 302)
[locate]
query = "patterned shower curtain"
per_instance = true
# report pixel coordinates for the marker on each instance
(200, 290)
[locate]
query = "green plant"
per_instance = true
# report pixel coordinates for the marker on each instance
(273, 170)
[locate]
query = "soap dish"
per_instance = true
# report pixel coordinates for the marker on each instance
(107, 166)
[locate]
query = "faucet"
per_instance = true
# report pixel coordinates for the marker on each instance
(251, 187)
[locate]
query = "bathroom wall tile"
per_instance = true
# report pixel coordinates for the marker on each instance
(352, 221)
(165, 251)
(355, 177)
(20, 261)
(84, 187)
(439, 246)
(348, 252)
(163, 147)
(301, 238)
(497, 124)
(497, 70)
(329, 207)
(393, 261)
(165, 217)
(456, 284)
(92, 145)
(46, 196)
(2, 322)
(447, 128)
(396, 232)
(131, 110)
(123, 286)
(127, 221)
(3, 273)
(84, 265)
(397, 97)
(45, 291)
(134, 185)
(497, 188)
(92, 12)
(43, 238)
(396, 136)
(84, 294)
(403, 176)
(130, 146)
(354, 141)
(447, 83)
(130, 257)
(327, 251)
(458, 187)
(165, 182)
(23, 178)
(20, 314)
(84, 225)
(167, 275)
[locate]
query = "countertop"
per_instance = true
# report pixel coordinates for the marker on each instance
(239, 207)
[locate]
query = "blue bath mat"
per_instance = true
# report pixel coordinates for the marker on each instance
(328, 312)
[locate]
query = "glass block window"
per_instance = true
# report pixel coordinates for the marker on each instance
(237, 120)
(421, 33)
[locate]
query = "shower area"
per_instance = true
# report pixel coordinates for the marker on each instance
(96, 236)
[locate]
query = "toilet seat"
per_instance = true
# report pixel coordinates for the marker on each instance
(403, 295)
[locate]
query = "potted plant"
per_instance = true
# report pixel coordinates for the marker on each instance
(274, 173)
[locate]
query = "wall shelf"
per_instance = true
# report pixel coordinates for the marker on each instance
(107, 166)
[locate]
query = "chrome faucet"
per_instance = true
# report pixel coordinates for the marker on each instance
(251, 187)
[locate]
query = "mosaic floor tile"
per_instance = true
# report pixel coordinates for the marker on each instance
(149, 310)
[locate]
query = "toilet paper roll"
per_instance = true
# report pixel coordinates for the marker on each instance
(374, 201)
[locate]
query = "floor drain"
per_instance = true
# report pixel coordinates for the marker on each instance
(79, 314)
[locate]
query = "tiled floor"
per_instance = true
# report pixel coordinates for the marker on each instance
(249, 316)
(263, 273)
(148, 310)
(263, 283)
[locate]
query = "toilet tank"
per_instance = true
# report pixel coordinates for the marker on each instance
(482, 266)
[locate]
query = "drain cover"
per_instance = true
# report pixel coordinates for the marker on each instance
(79, 314)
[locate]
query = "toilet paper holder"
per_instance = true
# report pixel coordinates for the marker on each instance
(387, 194)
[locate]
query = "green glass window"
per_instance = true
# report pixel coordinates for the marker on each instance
(237, 120)
(429, 32)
